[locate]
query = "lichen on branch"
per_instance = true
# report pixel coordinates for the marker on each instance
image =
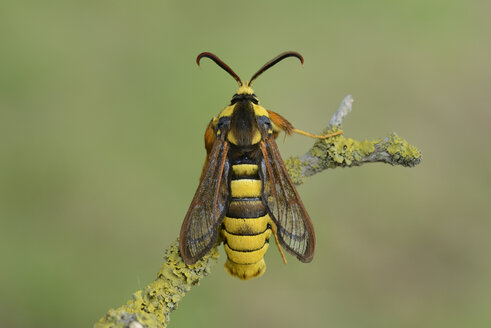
(151, 306)
(341, 151)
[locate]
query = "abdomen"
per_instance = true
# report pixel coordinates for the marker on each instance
(246, 227)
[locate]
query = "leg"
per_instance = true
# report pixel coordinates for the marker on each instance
(273, 228)
(318, 136)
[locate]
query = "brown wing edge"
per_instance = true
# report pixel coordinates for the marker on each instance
(183, 242)
(281, 122)
(309, 251)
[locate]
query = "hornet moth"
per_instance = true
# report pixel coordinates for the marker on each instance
(245, 194)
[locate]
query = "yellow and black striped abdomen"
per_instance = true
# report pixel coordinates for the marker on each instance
(246, 228)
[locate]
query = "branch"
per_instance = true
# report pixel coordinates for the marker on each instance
(152, 306)
(340, 151)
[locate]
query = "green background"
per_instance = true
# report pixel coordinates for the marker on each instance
(102, 114)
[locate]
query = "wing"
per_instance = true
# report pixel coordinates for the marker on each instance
(199, 231)
(280, 124)
(294, 227)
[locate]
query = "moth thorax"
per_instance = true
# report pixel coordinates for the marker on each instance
(243, 126)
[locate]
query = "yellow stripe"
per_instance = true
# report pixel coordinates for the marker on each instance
(246, 257)
(246, 243)
(250, 226)
(246, 188)
(245, 169)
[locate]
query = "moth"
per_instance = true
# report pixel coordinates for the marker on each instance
(245, 195)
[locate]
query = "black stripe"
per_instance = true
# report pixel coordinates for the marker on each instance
(245, 199)
(244, 160)
(246, 215)
(246, 177)
(244, 208)
(247, 251)
(243, 263)
(246, 234)
(247, 204)
(248, 218)
(228, 258)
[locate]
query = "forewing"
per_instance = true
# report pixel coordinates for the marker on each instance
(199, 230)
(294, 227)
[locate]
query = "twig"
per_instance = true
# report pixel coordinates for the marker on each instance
(152, 306)
(340, 151)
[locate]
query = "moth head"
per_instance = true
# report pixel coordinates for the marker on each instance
(245, 93)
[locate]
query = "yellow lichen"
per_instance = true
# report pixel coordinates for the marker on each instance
(294, 167)
(367, 147)
(341, 151)
(402, 152)
(152, 305)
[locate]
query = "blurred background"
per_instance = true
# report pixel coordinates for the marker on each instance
(102, 115)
